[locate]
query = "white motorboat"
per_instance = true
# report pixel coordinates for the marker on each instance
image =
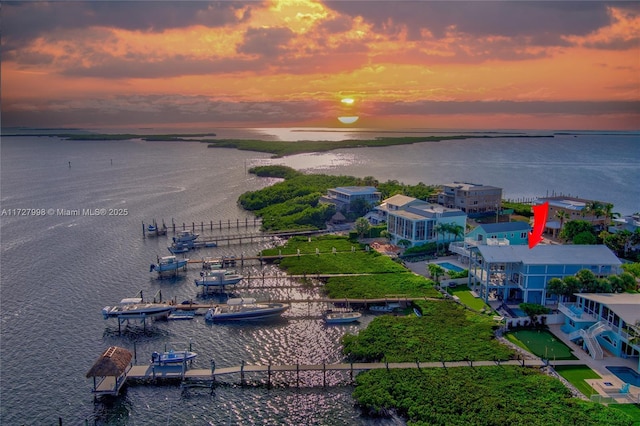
(244, 309)
(135, 308)
(218, 278)
(332, 317)
(168, 263)
(172, 357)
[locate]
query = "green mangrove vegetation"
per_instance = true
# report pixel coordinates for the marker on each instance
(284, 148)
(294, 202)
(479, 396)
(400, 284)
(445, 332)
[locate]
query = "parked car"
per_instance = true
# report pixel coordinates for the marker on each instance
(452, 284)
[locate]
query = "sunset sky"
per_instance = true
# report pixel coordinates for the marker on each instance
(420, 64)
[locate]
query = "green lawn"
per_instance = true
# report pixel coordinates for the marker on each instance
(541, 343)
(467, 298)
(633, 410)
(576, 375)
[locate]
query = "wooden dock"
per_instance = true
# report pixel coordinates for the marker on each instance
(154, 374)
(346, 301)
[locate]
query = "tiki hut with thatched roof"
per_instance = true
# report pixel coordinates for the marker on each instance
(110, 370)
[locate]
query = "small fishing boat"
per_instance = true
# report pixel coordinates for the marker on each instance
(181, 315)
(218, 278)
(172, 357)
(134, 307)
(177, 248)
(154, 230)
(244, 309)
(384, 309)
(168, 263)
(211, 263)
(333, 317)
(185, 237)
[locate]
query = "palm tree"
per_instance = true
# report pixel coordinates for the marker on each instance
(609, 214)
(457, 231)
(595, 208)
(440, 228)
(562, 215)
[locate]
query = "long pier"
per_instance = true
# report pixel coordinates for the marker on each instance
(155, 374)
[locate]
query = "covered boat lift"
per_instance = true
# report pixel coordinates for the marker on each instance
(110, 370)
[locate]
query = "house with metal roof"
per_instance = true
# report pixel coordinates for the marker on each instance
(517, 274)
(604, 321)
(493, 234)
(344, 196)
(417, 221)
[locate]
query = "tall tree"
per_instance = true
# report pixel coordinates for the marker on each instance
(457, 231)
(562, 215)
(362, 226)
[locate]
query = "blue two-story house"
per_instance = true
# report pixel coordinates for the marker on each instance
(519, 274)
(603, 320)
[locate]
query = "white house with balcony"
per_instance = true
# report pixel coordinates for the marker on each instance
(417, 221)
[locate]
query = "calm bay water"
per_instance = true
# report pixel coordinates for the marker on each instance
(57, 272)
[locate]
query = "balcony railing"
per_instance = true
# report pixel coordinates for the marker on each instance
(575, 312)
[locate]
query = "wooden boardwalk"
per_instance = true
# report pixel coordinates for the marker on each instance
(407, 300)
(154, 374)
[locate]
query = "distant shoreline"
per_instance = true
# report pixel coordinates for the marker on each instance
(277, 148)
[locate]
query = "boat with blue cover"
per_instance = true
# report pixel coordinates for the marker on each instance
(172, 357)
(168, 263)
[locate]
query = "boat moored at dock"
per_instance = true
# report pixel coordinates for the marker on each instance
(212, 263)
(134, 307)
(332, 317)
(218, 278)
(154, 230)
(172, 357)
(168, 263)
(244, 309)
(185, 237)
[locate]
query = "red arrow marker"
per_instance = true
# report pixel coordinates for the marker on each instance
(540, 214)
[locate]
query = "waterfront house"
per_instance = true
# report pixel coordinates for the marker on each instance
(603, 321)
(492, 234)
(517, 274)
(473, 199)
(418, 221)
(343, 197)
(564, 209)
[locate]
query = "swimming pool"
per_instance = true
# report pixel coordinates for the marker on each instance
(626, 374)
(450, 266)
